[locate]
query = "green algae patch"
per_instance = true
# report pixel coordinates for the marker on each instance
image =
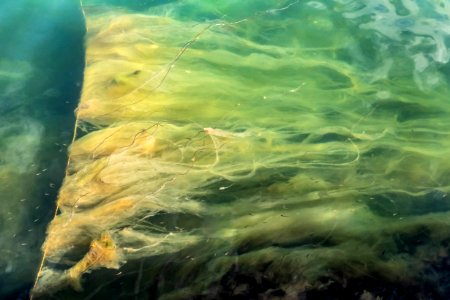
(257, 155)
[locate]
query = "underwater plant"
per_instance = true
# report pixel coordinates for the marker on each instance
(278, 153)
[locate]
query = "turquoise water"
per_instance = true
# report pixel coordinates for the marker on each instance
(246, 150)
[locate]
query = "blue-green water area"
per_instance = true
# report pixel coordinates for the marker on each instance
(41, 65)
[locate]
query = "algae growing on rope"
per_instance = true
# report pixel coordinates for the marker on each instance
(257, 149)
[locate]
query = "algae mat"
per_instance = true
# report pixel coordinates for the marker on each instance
(258, 149)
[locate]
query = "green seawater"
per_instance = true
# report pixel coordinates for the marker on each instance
(330, 173)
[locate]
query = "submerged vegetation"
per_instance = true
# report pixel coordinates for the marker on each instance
(258, 149)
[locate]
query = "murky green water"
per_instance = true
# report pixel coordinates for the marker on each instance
(256, 150)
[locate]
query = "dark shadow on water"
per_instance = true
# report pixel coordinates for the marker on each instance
(41, 65)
